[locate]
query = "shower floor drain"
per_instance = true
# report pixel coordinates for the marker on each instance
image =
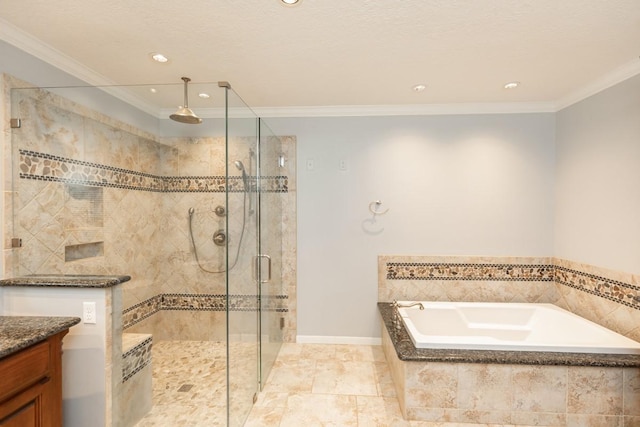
(185, 387)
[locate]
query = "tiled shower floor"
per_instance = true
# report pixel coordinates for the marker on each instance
(188, 384)
(310, 385)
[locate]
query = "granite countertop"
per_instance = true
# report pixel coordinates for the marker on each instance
(65, 281)
(406, 351)
(18, 332)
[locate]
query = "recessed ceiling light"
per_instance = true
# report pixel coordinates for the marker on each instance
(153, 90)
(158, 57)
(290, 2)
(511, 85)
(204, 95)
(419, 88)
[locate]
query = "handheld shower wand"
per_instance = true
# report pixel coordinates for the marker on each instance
(245, 177)
(245, 182)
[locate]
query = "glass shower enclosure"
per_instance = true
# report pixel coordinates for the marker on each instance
(103, 183)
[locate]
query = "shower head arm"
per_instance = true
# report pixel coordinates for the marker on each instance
(186, 94)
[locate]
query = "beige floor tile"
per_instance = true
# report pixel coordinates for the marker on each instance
(272, 399)
(264, 416)
(291, 376)
(338, 377)
(377, 411)
(320, 410)
(359, 353)
(310, 385)
(318, 351)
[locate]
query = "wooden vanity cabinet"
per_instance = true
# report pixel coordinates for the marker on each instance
(31, 385)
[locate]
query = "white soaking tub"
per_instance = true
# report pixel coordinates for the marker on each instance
(510, 327)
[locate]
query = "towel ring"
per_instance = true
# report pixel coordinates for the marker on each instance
(374, 207)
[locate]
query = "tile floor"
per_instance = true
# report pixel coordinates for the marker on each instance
(310, 385)
(178, 365)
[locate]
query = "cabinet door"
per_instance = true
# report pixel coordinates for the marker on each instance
(26, 416)
(25, 409)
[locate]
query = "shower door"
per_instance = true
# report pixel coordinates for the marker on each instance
(271, 184)
(242, 293)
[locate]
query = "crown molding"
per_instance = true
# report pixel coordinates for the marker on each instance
(373, 110)
(33, 46)
(44, 52)
(406, 110)
(618, 75)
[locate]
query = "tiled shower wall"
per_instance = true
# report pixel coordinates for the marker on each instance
(606, 297)
(96, 196)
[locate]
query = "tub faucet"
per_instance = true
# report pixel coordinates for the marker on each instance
(397, 321)
(396, 304)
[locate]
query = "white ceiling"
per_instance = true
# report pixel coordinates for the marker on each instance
(343, 53)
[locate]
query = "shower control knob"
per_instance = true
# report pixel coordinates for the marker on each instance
(220, 238)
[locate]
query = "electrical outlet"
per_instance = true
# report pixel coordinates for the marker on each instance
(89, 312)
(311, 164)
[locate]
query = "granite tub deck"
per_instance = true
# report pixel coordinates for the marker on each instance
(510, 387)
(20, 332)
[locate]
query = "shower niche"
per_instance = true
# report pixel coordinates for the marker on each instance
(83, 221)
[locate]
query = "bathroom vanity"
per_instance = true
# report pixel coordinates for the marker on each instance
(92, 349)
(31, 370)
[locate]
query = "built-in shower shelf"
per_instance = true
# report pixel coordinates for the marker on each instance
(83, 251)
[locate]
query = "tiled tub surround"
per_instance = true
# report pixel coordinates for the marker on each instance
(502, 387)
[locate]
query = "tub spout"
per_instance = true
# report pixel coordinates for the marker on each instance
(396, 304)
(397, 321)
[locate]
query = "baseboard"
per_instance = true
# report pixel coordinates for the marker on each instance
(322, 339)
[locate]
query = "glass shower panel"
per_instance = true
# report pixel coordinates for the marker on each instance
(242, 247)
(272, 183)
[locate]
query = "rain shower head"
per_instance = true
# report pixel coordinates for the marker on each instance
(184, 113)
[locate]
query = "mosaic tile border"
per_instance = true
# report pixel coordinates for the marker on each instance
(47, 167)
(620, 292)
(613, 290)
(134, 360)
(199, 302)
(138, 312)
(459, 271)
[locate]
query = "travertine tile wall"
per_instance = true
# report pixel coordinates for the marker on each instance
(146, 186)
(609, 298)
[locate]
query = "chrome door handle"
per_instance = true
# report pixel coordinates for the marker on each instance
(257, 268)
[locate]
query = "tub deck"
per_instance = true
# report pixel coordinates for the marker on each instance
(406, 351)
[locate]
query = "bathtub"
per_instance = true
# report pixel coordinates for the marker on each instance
(510, 327)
